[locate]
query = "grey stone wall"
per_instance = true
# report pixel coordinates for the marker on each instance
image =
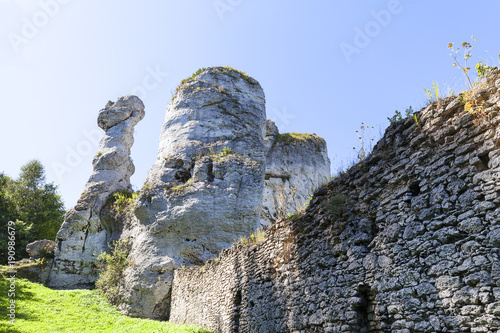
(406, 241)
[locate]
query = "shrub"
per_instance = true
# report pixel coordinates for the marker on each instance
(398, 115)
(123, 201)
(111, 269)
(335, 206)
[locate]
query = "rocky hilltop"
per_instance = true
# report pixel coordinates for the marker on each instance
(218, 164)
(407, 240)
(296, 165)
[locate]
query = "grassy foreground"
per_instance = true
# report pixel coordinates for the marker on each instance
(40, 309)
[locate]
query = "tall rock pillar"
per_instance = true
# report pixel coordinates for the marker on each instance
(205, 189)
(82, 235)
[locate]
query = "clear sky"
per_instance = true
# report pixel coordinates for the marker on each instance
(325, 67)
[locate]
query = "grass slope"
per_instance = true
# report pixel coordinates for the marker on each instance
(40, 309)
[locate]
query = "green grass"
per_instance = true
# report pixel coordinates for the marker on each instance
(294, 138)
(218, 69)
(40, 309)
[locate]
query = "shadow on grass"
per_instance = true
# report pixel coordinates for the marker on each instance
(21, 293)
(8, 328)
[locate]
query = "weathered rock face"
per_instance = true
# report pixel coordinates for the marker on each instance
(296, 165)
(406, 241)
(205, 189)
(83, 235)
(41, 248)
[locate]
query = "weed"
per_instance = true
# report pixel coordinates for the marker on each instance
(111, 269)
(224, 69)
(297, 137)
(482, 69)
(433, 94)
(284, 201)
(182, 187)
(364, 138)
(398, 116)
(409, 112)
(470, 99)
(256, 237)
(123, 200)
(335, 206)
(212, 152)
(195, 74)
(416, 120)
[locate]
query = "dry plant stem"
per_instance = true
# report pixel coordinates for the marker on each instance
(283, 201)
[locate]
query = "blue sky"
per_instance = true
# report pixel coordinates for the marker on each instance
(325, 67)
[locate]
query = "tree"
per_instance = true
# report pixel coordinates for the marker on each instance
(35, 206)
(6, 208)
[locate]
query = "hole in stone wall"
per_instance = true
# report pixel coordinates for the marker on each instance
(237, 310)
(485, 159)
(365, 309)
(414, 189)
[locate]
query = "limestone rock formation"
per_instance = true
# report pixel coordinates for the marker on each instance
(41, 248)
(296, 165)
(82, 235)
(205, 189)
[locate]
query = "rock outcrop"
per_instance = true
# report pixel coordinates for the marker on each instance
(83, 236)
(208, 188)
(41, 248)
(296, 165)
(407, 240)
(204, 191)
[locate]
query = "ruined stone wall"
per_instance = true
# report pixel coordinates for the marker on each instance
(408, 240)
